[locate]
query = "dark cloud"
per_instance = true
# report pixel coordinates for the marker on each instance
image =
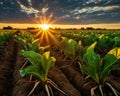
(66, 11)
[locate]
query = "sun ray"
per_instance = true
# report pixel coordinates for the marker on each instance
(45, 26)
(38, 33)
(53, 38)
(42, 38)
(54, 31)
(46, 34)
(47, 38)
(48, 19)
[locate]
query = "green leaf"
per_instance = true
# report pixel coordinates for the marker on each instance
(92, 63)
(110, 61)
(47, 62)
(64, 42)
(4, 37)
(90, 71)
(42, 49)
(90, 57)
(70, 49)
(79, 49)
(35, 70)
(115, 52)
(34, 41)
(40, 64)
(47, 55)
(33, 57)
(28, 42)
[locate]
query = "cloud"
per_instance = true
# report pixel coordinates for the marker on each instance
(1, 3)
(93, 1)
(30, 2)
(44, 10)
(28, 10)
(67, 11)
(93, 9)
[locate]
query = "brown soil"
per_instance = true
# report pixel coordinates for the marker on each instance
(7, 61)
(66, 75)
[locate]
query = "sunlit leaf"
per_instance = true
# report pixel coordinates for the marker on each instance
(40, 64)
(92, 63)
(110, 61)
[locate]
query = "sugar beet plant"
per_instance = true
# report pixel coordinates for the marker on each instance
(40, 65)
(4, 37)
(28, 42)
(71, 48)
(98, 68)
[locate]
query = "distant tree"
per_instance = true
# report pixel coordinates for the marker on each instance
(90, 28)
(8, 27)
(98, 29)
(82, 28)
(31, 28)
(74, 28)
(104, 29)
(57, 28)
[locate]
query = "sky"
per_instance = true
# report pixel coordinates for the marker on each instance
(65, 12)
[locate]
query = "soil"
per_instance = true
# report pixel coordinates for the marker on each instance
(67, 76)
(7, 61)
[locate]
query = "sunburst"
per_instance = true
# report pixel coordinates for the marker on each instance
(44, 26)
(46, 34)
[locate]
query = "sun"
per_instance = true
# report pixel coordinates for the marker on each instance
(45, 26)
(45, 32)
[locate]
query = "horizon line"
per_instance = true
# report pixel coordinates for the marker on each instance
(63, 26)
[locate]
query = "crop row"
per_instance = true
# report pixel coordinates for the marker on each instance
(85, 49)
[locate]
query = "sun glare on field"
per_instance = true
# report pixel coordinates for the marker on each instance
(46, 33)
(45, 26)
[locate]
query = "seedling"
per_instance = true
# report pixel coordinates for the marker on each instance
(98, 68)
(28, 42)
(4, 37)
(71, 48)
(40, 65)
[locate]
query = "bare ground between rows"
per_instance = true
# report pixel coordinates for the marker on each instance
(22, 86)
(7, 61)
(78, 80)
(12, 84)
(68, 78)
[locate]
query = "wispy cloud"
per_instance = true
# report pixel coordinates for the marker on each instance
(1, 3)
(69, 11)
(93, 9)
(44, 10)
(30, 2)
(28, 10)
(90, 1)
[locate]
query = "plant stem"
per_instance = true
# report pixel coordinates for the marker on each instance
(56, 87)
(36, 84)
(100, 88)
(114, 90)
(47, 90)
(92, 90)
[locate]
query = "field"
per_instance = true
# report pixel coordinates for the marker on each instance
(60, 62)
